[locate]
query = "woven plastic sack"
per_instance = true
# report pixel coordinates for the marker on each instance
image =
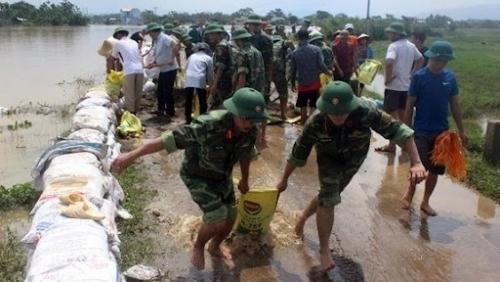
(92, 102)
(130, 125)
(255, 210)
(88, 135)
(368, 70)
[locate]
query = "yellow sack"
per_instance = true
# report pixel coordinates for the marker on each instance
(368, 70)
(255, 210)
(115, 77)
(181, 79)
(324, 79)
(130, 125)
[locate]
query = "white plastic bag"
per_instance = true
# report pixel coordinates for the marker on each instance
(148, 87)
(61, 179)
(97, 94)
(88, 135)
(97, 118)
(73, 252)
(90, 102)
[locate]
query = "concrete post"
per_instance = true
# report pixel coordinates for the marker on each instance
(491, 149)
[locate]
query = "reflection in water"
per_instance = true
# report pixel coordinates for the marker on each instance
(485, 207)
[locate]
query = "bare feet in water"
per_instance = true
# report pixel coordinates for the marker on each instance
(299, 226)
(428, 210)
(198, 258)
(327, 262)
(406, 201)
(219, 252)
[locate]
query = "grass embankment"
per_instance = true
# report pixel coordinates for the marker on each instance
(477, 70)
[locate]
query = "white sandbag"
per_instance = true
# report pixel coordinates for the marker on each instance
(76, 159)
(73, 253)
(97, 118)
(48, 216)
(97, 94)
(87, 180)
(109, 223)
(88, 135)
(148, 87)
(90, 102)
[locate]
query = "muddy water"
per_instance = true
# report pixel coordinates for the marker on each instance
(373, 238)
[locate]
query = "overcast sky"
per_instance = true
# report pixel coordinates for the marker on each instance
(297, 7)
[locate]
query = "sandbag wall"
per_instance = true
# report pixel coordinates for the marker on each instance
(73, 234)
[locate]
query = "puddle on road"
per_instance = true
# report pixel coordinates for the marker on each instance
(373, 238)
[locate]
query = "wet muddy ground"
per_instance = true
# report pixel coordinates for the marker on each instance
(373, 238)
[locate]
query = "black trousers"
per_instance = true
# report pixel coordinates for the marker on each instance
(165, 91)
(188, 107)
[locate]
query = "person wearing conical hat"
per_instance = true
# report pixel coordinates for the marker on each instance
(364, 51)
(126, 51)
(213, 143)
(340, 131)
(402, 60)
(433, 93)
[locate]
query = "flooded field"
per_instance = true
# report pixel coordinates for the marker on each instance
(373, 238)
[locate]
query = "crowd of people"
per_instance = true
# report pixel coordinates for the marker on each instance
(239, 77)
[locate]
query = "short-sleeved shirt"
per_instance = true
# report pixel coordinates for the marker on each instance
(350, 141)
(163, 52)
(211, 148)
(306, 64)
(404, 54)
(223, 59)
(249, 61)
(264, 44)
(127, 51)
(344, 54)
(433, 92)
(199, 70)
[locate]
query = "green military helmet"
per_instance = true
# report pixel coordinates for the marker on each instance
(276, 38)
(280, 26)
(440, 50)
(119, 30)
(168, 27)
(315, 36)
(177, 31)
(247, 103)
(306, 21)
(153, 27)
(269, 27)
(185, 37)
(213, 28)
(337, 99)
(241, 33)
(254, 19)
(396, 27)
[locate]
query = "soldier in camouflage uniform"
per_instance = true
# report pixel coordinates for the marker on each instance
(279, 72)
(341, 133)
(213, 144)
(280, 30)
(224, 66)
(188, 44)
(269, 29)
(264, 44)
(318, 40)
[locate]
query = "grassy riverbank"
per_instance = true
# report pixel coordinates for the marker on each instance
(477, 70)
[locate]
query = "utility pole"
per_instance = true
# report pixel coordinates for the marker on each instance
(156, 16)
(368, 17)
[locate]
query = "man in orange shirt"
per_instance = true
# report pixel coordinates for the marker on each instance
(353, 39)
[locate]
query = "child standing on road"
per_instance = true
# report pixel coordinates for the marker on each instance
(432, 89)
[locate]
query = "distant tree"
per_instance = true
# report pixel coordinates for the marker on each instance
(341, 16)
(292, 19)
(148, 16)
(245, 12)
(278, 13)
(321, 15)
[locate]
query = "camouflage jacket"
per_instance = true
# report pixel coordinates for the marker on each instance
(349, 142)
(264, 44)
(327, 55)
(211, 149)
(279, 56)
(249, 61)
(223, 59)
(189, 50)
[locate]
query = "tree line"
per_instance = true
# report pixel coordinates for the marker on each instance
(48, 13)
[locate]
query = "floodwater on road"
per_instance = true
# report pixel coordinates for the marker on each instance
(373, 238)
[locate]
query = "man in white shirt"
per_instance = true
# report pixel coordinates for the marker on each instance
(165, 50)
(127, 52)
(402, 60)
(199, 74)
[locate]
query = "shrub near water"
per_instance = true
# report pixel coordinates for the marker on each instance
(12, 257)
(17, 195)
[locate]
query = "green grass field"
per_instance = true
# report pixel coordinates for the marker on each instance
(477, 68)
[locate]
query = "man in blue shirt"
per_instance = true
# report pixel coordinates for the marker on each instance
(432, 89)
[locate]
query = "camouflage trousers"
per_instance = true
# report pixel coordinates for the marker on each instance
(215, 198)
(334, 176)
(224, 91)
(267, 89)
(281, 84)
